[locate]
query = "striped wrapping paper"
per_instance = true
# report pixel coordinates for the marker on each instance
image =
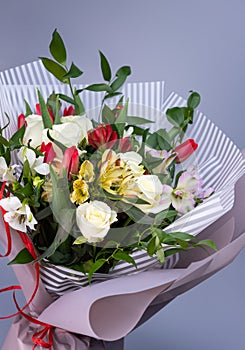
(219, 162)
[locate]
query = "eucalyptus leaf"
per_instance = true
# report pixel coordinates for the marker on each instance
(123, 256)
(66, 99)
(138, 120)
(108, 116)
(175, 116)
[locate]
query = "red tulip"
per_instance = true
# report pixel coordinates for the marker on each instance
(69, 111)
(102, 135)
(185, 150)
(70, 161)
(38, 110)
(49, 153)
(21, 121)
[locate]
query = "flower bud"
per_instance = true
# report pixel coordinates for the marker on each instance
(185, 150)
(49, 153)
(38, 111)
(70, 161)
(102, 135)
(69, 111)
(21, 121)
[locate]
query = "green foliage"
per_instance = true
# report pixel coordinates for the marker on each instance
(23, 257)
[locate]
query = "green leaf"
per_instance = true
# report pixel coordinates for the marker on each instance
(123, 71)
(123, 256)
(54, 68)
(95, 267)
(122, 115)
(23, 257)
(151, 246)
(160, 255)
(44, 111)
(138, 120)
(112, 94)
(108, 116)
(80, 240)
(175, 116)
(99, 87)
(79, 107)
(57, 48)
(193, 100)
(74, 72)
(28, 109)
(105, 67)
(66, 99)
(59, 144)
(181, 235)
(159, 140)
(209, 243)
(4, 141)
(17, 137)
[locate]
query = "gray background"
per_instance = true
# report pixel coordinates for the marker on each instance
(196, 45)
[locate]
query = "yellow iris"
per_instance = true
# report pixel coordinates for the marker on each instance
(80, 191)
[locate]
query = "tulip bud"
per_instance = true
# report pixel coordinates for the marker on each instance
(185, 150)
(124, 145)
(69, 111)
(38, 110)
(49, 153)
(21, 121)
(70, 161)
(102, 135)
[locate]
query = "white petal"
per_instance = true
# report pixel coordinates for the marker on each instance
(42, 169)
(10, 203)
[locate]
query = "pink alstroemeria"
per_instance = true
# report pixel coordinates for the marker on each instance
(70, 161)
(38, 110)
(103, 135)
(21, 121)
(185, 150)
(49, 153)
(69, 111)
(187, 191)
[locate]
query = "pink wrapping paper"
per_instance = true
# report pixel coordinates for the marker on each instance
(94, 311)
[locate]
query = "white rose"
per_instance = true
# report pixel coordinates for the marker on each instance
(33, 130)
(94, 220)
(82, 123)
(150, 189)
(71, 131)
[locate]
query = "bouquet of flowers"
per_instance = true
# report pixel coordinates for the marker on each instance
(106, 193)
(90, 193)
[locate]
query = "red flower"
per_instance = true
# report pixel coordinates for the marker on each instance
(102, 135)
(70, 161)
(21, 121)
(185, 150)
(69, 111)
(49, 153)
(38, 111)
(124, 145)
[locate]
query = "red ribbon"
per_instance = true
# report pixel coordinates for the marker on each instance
(38, 337)
(7, 229)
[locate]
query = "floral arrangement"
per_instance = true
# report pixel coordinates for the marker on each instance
(89, 193)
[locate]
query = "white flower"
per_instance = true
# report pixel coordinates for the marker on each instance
(94, 220)
(17, 215)
(149, 189)
(188, 189)
(33, 130)
(36, 163)
(72, 130)
(6, 173)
